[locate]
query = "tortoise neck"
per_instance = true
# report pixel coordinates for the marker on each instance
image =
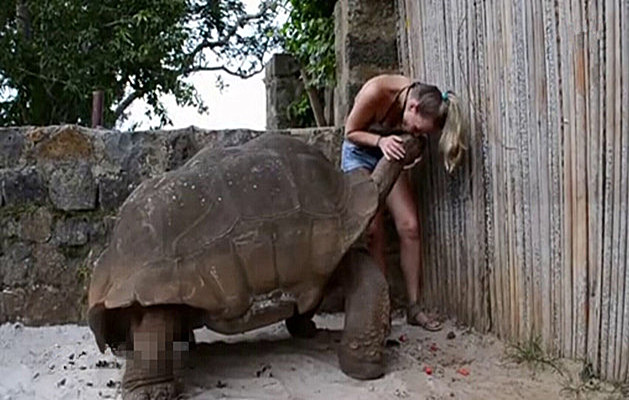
(384, 176)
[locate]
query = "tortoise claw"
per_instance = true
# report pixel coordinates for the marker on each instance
(161, 391)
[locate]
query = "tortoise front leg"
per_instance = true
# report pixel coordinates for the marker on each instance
(149, 370)
(361, 354)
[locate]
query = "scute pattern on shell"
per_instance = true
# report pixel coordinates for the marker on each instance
(263, 222)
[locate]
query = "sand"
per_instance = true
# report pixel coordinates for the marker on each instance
(63, 362)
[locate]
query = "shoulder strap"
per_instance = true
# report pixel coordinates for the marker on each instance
(408, 90)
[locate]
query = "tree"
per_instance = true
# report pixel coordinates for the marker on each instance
(57, 52)
(308, 35)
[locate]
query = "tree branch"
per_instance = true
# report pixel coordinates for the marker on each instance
(225, 69)
(126, 103)
(315, 103)
(230, 32)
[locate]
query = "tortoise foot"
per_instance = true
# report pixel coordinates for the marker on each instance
(301, 326)
(360, 368)
(159, 391)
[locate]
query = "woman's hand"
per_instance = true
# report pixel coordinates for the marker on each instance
(391, 147)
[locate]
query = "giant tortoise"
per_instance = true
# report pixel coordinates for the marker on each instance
(235, 239)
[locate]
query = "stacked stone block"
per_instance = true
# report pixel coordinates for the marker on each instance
(366, 37)
(283, 87)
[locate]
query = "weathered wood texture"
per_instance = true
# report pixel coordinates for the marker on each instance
(531, 237)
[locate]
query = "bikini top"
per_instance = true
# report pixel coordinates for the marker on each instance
(378, 127)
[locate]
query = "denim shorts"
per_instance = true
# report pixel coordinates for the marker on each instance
(354, 156)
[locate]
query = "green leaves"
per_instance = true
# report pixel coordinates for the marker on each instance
(56, 52)
(309, 36)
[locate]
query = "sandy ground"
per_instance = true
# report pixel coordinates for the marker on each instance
(63, 362)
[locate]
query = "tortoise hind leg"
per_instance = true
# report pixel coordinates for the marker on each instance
(361, 353)
(149, 370)
(301, 325)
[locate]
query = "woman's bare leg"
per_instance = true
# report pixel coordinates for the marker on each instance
(403, 207)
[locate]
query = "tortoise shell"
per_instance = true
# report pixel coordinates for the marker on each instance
(248, 235)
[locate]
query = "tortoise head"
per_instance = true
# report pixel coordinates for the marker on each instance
(387, 171)
(414, 146)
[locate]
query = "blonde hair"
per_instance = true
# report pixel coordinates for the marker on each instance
(445, 110)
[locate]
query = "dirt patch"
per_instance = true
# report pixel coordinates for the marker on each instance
(63, 362)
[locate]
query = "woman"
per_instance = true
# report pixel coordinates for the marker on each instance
(388, 103)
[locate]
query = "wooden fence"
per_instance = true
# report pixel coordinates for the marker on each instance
(531, 238)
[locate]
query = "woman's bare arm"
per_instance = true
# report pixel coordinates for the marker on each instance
(362, 115)
(366, 108)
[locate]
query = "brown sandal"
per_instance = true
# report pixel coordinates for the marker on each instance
(415, 316)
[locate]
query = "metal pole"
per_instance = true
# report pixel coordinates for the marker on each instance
(98, 98)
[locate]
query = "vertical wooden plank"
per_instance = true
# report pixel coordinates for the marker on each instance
(540, 196)
(441, 79)
(607, 112)
(439, 240)
(538, 192)
(612, 123)
(620, 206)
(623, 216)
(452, 199)
(605, 234)
(489, 266)
(513, 129)
(501, 304)
(415, 16)
(553, 109)
(481, 109)
(459, 192)
(624, 131)
(479, 268)
(566, 88)
(615, 197)
(579, 197)
(432, 211)
(510, 139)
(522, 125)
(437, 268)
(595, 181)
(464, 261)
(504, 148)
(495, 80)
(480, 272)
(502, 189)
(463, 205)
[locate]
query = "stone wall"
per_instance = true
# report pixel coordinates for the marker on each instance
(366, 36)
(283, 87)
(60, 187)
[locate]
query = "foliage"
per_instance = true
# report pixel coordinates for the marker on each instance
(300, 113)
(308, 35)
(56, 52)
(531, 353)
